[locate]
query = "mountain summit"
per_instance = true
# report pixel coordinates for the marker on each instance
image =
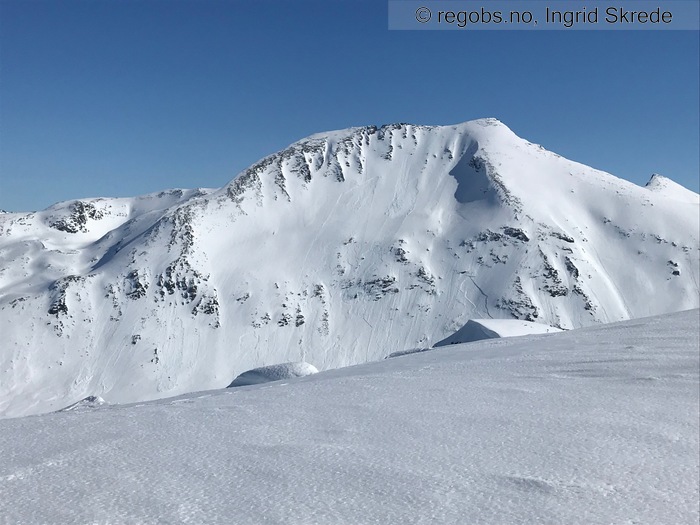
(343, 248)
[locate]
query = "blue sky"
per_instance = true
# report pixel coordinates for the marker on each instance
(120, 98)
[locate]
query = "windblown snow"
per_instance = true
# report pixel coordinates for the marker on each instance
(343, 248)
(592, 426)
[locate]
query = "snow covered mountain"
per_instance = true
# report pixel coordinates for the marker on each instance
(341, 249)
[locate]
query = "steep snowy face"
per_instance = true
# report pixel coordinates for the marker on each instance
(343, 248)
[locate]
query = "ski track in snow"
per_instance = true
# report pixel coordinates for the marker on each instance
(486, 297)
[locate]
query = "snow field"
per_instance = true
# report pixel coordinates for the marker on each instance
(592, 426)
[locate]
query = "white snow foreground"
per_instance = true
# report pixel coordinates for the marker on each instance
(478, 329)
(591, 426)
(266, 374)
(341, 249)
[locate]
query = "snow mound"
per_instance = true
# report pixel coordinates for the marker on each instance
(478, 329)
(407, 352)
(86, 403)
(265, 374)
(668, 188)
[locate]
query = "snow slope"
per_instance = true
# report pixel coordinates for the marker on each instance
(478, 329)
(592, 426)
(343, 248)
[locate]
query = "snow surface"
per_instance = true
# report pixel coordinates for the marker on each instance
(591, 426)
(265, 374)
(478, 329)
(341, 249)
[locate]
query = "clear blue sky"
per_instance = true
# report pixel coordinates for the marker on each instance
(120, 97)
